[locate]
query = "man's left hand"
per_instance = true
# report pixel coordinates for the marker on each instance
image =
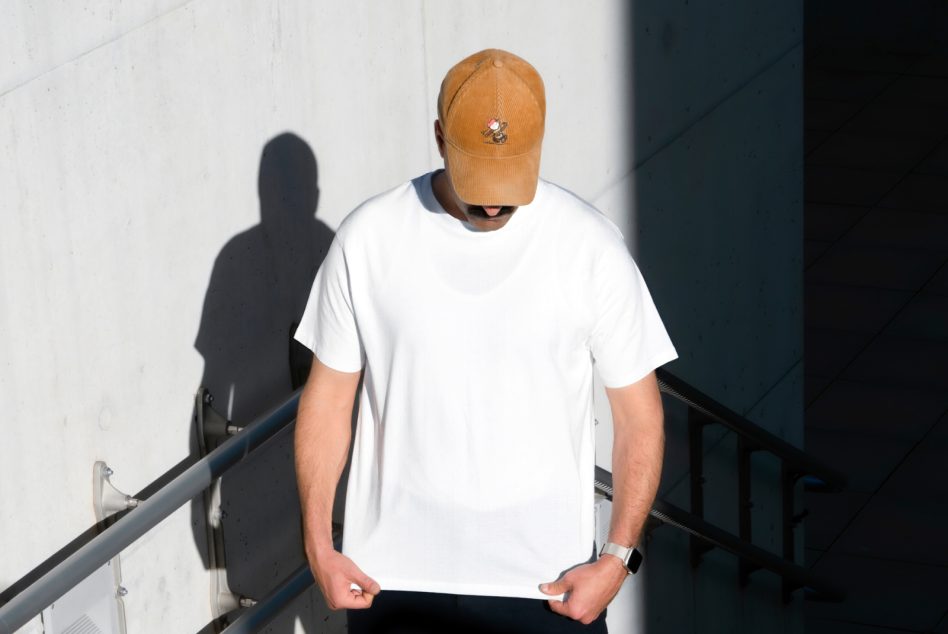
(589, 587)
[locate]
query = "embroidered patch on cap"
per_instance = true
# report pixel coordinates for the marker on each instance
(495, 132)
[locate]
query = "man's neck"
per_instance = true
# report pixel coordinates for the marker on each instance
(439, 186)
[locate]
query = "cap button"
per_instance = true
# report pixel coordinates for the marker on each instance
(498, 63)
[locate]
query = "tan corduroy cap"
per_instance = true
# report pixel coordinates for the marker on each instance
(492, 107)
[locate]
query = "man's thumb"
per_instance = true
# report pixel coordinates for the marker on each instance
(556, 587)
(368, 584)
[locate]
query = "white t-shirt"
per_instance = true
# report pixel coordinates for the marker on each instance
(473, 458)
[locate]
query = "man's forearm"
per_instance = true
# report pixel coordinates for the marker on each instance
(637, 453)
(321, 442)
(639, 439)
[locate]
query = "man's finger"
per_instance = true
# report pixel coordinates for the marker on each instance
(357, 601)
(559, 607)
(368, 584)
(364, 600)
(557, 587)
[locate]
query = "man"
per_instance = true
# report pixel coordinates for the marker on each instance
(476, 299)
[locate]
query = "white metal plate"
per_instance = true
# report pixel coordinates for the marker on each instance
(91, 607)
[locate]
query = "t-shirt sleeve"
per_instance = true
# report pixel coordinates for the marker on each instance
(328, 326)
(628, 338)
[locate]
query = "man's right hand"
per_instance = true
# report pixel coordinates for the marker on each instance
(335, 573)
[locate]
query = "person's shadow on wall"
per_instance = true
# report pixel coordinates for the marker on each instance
(257, 292)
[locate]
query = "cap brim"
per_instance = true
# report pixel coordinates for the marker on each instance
(501, 181)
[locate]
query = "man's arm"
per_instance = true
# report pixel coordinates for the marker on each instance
(322, 436)
(637, 452)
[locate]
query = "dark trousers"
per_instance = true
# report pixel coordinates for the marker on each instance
(405, 612)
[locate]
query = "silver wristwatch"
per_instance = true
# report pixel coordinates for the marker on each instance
(631, 557)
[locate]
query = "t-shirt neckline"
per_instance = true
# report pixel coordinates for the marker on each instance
(463, 229)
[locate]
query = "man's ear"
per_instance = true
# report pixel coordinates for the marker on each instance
(439, 137)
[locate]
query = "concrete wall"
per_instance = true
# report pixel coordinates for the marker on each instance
(917, 27)
(717, 97)
(154, 236)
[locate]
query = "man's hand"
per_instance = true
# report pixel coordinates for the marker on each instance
(335, 573)
(589, 587)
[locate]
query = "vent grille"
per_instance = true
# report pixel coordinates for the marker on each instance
(83, 625)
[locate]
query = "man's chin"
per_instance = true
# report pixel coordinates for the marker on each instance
(489, 224)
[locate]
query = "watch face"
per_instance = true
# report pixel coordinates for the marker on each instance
(635, 560)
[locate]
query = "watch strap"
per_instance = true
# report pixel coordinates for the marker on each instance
(630, 556)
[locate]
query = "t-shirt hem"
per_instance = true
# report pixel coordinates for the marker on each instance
(490, 590)
(326, 356)
(641, 370)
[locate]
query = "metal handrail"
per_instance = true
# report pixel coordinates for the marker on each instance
(795, 465)
(151, 511)
(51, 585)
(667, 513)
(254, 618)
(257, 616)
(758, 438)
